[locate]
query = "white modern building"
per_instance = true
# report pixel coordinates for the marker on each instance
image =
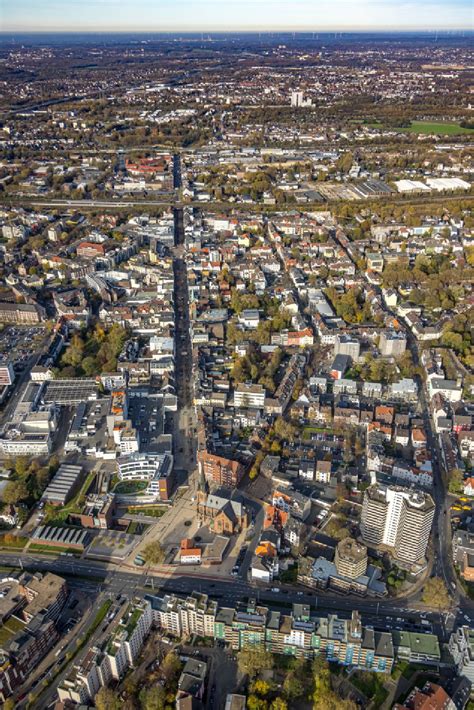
(249, 396)
(127, 641)
(461, 646)
(398, 518)
(157, 469)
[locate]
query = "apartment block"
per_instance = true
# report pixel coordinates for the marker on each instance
(297, 633)
(219, 470)
(398, 518)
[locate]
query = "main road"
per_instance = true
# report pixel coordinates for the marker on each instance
(185, 420)
(97, 576)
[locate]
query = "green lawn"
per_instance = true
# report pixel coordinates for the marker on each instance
(399, 669)
(413, 668)
(155, 512)
(438, 128)
(136, 528)
(126, 487)
(99, 617)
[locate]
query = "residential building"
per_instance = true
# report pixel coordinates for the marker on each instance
(347, 345)
(126, 643)
(189, 554)
(431, 697)
(323, 471)
(351, 558)
(22, 313)
(397, 518)
(392, 343)
(461, 647)
(340, 365)
(249, 396)
(219, 470)
(295, 633)
(7, 374)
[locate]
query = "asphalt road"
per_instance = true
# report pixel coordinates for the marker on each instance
(115, 579)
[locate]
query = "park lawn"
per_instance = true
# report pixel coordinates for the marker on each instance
(413, 668)
(399, 668)
(438, 128)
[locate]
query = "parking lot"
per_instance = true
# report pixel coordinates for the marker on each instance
(19, 343)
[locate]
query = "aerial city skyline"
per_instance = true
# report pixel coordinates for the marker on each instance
(236, 355)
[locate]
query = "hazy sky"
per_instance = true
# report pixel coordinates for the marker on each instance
(156, 15)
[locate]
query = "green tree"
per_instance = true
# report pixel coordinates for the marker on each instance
(74, 353)
(254, 659)
(279, 704)
(456, 481)
(293, 686)
(256, 703)
(154, 553)
(107, 699)
(344, 162)
(15, 492)
(324, 697)
(153, 698)
(285, 430)
(260, 687)
(21, 466)
(453, 340)
(435, 594)
(170, 666)
(89, 366)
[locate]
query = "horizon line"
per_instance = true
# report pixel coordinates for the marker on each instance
(253, 29)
